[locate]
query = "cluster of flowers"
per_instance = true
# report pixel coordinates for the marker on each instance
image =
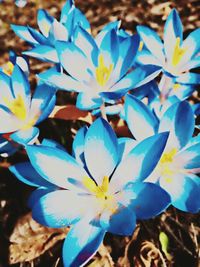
(109, 182)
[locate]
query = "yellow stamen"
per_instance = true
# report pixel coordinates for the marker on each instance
(164, 165)
(178, 52)
(103, 72)
(17, 107)
(105, 199)
(176, 86)
(168, 157)
(8, 68)
(140, 46)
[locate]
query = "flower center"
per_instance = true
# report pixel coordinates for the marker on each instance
(17, 107)
(103, 72)
(104, 198)
(165, 166)
(178, 53)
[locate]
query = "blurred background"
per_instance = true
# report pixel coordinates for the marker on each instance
(25, 243)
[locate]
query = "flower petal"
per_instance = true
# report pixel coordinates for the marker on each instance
(81, 243)
(141, 121)
(55, 165)
(189, 78)
(24, 33)
(61, 80)
(25, 172)
(87, 100)
(183, 191)
(173, 30)
(140, 162)
(101, 150)
(152, 41)
(20, 84)
(121, 222)
(60, 208)
(24, 137)
(78, 145)
(142, 199)
(43, 52)
(86, 43)
(44, 21)
(69, 55)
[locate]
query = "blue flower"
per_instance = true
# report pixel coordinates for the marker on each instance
(51, 30)
(179, 164)
(99, 69)
(175, 56)
(18, 112)
(97, 190)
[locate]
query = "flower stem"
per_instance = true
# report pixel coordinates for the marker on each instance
(103, 112)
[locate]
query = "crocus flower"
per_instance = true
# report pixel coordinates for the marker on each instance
(175, 57)
(51, 30)
(179, 164)
(97, 190)
(18, 112)
(99, 69)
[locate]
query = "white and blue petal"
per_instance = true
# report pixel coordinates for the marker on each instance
(121, 222)
(24, 33)
(141, 121)
(69, 55)
(43, 52)
(44, 21)
(20, 84)
(140, 162)
(81, 243)
(55, 165)
(87, 100)
(141, 198)
(101, 150)
(173, 30)
(78, 145)
(71, 208)
(27, 136)
(25, 172)
(183, 191)
(152, 41)
(61, 80)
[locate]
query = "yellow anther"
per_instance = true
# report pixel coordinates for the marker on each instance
(17, 107)
(103, 72)
(176, 86)
(8, 68)
(140, 46)
(178, 52)
(99, 191)
(169, 156)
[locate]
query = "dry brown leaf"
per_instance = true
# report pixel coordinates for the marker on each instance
(29, 239)
(105, 259)
(70, 112)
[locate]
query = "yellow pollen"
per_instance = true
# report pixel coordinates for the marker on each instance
(176, 86)
(8, 68)
(101, 193)
(140, 46)
(17, 107)
(168, 157)
(165, 166)
(178, 52)
(103, 72)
